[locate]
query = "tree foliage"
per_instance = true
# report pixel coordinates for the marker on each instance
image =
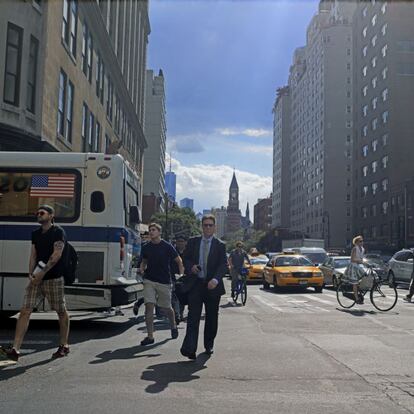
(177, 221)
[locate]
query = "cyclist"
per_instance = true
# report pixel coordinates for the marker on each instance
(356, 269)
(236, 262)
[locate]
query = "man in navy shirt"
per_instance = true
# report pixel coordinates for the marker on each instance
(157, 255)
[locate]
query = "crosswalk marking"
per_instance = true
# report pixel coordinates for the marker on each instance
(318, 299)
(291, 306)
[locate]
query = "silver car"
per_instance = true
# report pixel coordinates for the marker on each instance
(401, 267)
(333, 268)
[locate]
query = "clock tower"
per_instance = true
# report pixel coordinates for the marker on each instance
(233, 211)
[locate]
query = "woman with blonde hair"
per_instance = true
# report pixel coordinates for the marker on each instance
(356, 269)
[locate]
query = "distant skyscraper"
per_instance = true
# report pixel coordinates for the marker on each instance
(221, 220)
(206, 211)
(187, 203)
(170, 184)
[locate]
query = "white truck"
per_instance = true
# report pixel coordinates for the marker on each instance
(287, 244)
(313, 249)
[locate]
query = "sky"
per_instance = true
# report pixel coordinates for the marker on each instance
(222, 62)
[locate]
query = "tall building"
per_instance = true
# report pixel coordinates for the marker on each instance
(263, 214)
(245, 222)
(384, 124)
(282, 113)
(233, 211)
(187, 203)
(73, 76)
(155, 134)
(221, 221)
(171, 184)
(321, 91)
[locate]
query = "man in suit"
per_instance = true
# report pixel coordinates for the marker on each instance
(205, 262)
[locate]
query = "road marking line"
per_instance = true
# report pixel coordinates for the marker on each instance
(267, 303)
(318, 299)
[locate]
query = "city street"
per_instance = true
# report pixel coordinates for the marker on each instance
(290, 352)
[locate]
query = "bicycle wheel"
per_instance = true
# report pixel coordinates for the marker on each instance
(383, 297)
(243, 293)
(344, 295)
(236, 292)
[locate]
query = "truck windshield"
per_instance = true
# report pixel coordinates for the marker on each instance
(316, 258)
(22, 192)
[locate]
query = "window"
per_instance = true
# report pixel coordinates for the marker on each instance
(384, 50)
(384, 94)
(364, 31)
(19, 198)
(365, 90)
(97, 140)
(384, 162)
(374, 20)
(85, 112)
(13, 64)
(364, 212)
(374, 103)
(31, 75)
(364, 71)
(69, 24)
(107, 143)
(384, 29)
(374, 145)
(384, 73)
(374, 124)
(365, 170)
(384, 184)
(61, 103)
(374, 61)
(100, 78)
(374, 187)
(384, 7)
(374, 40)
(364, 190)
(365, 131)
(87, 52)
(364, 11)
(384, 207)
(385, 117)
(69, 112)
(97, 202)
(384, 140)
(109, 99)
(365, 150)
(91, 129)
(365, 110)
(374, 82)
(374, 166)
(365, 51)
(373, 210)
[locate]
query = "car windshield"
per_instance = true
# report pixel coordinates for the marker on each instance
(316, 257)
(338, 263)
(374, 261)
(292, 261)
(258, 260)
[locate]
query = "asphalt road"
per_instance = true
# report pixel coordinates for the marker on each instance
(291, 352)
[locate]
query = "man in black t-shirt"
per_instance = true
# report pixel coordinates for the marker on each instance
(45, 281)
(157, 255)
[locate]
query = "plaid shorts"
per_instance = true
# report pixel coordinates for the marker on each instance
(51, 289)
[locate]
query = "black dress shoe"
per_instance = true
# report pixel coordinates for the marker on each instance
(209, 351)
(189, 355)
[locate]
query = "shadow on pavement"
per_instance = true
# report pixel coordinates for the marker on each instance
(19, 369)
(231, 305)
(164, 374)
(358, 312)
(128, 353)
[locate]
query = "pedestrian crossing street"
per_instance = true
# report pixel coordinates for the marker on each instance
(307, 302)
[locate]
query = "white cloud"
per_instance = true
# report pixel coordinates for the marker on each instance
(208, 185)
(249, 132)
(186, 143)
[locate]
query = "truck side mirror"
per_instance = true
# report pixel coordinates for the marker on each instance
(134, 215)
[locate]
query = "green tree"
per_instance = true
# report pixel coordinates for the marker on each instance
(177, 221)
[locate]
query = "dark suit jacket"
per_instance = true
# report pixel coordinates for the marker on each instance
(216, 262)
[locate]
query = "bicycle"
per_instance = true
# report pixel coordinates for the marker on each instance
(383, 295)
(241, 287)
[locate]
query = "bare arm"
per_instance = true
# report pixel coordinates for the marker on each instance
(56, 255)
(180, 264)
(33, 259)
(143, 265)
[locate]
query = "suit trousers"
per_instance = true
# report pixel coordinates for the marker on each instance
(198, 296)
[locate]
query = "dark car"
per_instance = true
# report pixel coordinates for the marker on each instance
(378, 264)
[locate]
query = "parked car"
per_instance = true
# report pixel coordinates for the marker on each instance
(257, 264)
(333, 268)
(292, 270)
(401, 267)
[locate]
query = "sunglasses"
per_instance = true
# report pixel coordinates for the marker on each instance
(40, 213)
(208, 225)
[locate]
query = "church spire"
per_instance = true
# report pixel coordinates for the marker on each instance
(234, 181)
(248, 212)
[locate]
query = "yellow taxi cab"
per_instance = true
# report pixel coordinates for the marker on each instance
(257, 264)
(292, 270)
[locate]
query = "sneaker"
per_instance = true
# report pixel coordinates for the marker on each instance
(147, 341)
(9, 353)
(407, 298)
(61, 352)
(174, 333)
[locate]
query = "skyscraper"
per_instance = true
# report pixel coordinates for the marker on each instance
(187, 203)
(170, 184)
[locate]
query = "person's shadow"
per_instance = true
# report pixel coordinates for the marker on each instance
(163, 374)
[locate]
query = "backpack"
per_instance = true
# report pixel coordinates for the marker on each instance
(70, 263)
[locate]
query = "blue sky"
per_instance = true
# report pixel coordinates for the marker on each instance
(222, 62)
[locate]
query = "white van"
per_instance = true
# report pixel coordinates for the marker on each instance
(96, 200)
(316, 255)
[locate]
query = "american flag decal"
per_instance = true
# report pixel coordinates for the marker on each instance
(52, 185)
